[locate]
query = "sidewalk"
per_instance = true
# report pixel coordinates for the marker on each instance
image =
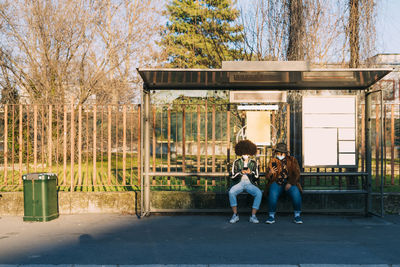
(110, 239)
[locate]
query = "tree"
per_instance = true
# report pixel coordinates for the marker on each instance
(361, 30)
(9, 92)
(296, 30)
(265, 30)
(83, 50)
(201, 33)
(309, 30)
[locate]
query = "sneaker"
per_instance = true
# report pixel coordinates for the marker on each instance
(298, 220)
(270, 220)
(234, 219)
(253, 219)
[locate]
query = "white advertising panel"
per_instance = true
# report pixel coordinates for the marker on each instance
(329, 131)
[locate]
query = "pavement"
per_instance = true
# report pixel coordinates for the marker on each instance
(201, 241)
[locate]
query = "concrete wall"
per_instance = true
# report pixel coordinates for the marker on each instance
(12, 203)
(166, 201)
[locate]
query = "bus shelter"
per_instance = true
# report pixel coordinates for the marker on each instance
(321, 133)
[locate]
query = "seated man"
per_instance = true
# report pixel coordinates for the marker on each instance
(283, 175)
(245, 177)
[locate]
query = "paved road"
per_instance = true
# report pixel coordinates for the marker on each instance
(199, 239)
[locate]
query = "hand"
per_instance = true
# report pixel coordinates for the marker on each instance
(246, 171)
(287, 186)
(273, 170)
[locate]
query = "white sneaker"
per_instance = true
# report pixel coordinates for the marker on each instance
(253, 219)
(234, 219)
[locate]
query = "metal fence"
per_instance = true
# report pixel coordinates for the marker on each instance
(98, 148)
(91, 148)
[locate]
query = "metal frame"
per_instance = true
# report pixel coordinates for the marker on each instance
(368, 151)
(152, 85)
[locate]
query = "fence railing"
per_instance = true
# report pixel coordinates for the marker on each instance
(98, 148)
(91, 148)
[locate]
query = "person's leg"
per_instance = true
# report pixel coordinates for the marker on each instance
(257, 194)
(275, 191)
(233, 192)
(295, 195)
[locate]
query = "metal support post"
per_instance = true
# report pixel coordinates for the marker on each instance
(146, 152)
(382, 150)
(368, 156)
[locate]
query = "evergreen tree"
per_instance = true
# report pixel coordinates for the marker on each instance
(202, 33)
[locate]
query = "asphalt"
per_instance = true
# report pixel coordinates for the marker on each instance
(112, 239)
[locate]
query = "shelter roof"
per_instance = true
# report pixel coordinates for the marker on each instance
(260, 79)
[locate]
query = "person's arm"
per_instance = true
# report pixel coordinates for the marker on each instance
(294, 175)
(236, 171)
(254, 171)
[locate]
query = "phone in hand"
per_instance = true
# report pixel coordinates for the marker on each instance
(245, 168)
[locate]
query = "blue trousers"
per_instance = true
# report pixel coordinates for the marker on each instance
(276, 190)
(249, 188)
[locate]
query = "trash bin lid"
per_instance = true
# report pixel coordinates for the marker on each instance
(39, 176)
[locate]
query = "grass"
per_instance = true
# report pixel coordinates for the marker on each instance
(114, 183)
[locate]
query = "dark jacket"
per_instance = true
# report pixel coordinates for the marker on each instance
(293, 169)
(237, 167)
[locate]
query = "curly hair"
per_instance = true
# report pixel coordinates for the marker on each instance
(245, 147)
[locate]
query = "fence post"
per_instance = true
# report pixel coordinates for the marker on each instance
(198, 142)
(392, 145)
(213, 140)
(65, 147)
(169, 141)
(183, 142)
(363, 138)
(5, 143)
(124, 146)
(94, 144)
(34, 137)
(109, 144)
(206, 141)
(80, 145)
(139, 146)
(50, 138)
(154, 139)
(377, 129)
(72, 145)
(20, 144)
(12, 143)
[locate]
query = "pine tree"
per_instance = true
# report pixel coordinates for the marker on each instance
(202, 33)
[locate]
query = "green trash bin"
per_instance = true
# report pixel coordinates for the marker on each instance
(40, 197)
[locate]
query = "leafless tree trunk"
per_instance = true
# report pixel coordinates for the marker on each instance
(297, 31)
(354, 38)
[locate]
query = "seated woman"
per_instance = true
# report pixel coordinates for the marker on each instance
(283, 175)
(245, 177)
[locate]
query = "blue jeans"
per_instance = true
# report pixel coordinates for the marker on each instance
(276, 190)
(249, 188)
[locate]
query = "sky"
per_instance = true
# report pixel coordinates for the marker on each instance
(388, 26)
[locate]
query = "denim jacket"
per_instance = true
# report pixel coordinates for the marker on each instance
(237, 167)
